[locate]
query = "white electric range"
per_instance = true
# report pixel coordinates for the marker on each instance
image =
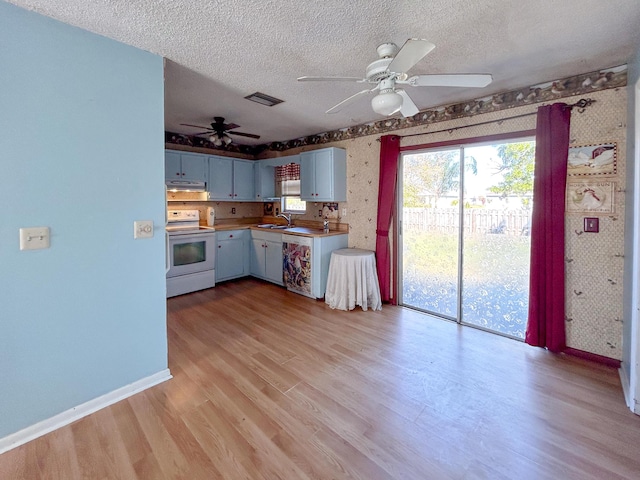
(191, 253)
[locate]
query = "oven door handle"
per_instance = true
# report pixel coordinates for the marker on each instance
(167, 253)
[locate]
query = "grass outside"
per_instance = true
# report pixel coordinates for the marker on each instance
(495, 280)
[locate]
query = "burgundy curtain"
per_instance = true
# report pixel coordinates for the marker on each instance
(545, 327)
(389, 151)
(290, 171)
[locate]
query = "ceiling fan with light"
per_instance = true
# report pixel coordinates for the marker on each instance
(390, 70)
(219, 132)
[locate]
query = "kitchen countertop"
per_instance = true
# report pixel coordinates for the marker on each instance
(301, 231)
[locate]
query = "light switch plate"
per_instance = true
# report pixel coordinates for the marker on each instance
(143, 229)
(34, 238)
(591, 224)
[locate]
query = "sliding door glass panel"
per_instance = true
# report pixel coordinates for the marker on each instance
(430, 231)
(497, 201)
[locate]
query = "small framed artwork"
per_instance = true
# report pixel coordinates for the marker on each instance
(329, 210)
(589, 196)
(591, 160)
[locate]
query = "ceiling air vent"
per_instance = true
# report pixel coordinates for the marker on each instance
(263, 99)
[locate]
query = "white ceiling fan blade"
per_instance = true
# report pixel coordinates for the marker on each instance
(330, 79)
(408, 108)
(411, 53)
(461, 80)
(348, 100)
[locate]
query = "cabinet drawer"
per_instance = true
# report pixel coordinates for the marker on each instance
(230, 235)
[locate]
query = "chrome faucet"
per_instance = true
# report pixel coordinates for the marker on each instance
(286, 217)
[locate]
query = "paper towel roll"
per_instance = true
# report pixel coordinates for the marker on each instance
(211, 216)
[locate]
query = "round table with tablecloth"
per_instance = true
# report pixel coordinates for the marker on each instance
(353, 280)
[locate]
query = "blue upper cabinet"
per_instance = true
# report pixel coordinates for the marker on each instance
(243, 180)
(231, 179)
(265, 176)
(220, 186)
(194, 166)
(185, 166)
(265, 181)
(323, 175)
(172, 166)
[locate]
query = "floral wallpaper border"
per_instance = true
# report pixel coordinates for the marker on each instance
(577, 85)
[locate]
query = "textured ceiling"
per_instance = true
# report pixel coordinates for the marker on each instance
(220, 51)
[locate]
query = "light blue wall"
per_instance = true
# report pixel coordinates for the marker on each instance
(631, 226)
(81, 149)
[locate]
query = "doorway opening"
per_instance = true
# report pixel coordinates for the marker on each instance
(465, 216)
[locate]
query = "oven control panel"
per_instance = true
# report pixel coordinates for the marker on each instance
(183, 215)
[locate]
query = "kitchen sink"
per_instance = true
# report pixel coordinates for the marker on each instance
(272, 226)
(295, 230)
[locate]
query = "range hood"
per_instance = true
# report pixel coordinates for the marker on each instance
(185, 186)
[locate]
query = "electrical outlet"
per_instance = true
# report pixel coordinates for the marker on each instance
(344, 212)
(143, 229)
(233, 211)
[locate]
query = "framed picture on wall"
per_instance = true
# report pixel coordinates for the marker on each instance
(329, 210)
(590, 196)
(590, 160)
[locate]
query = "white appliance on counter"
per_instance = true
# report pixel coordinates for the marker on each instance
(191, 253)
(211, 216)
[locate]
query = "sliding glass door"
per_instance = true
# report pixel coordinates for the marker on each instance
(465, 217)
(431, 231)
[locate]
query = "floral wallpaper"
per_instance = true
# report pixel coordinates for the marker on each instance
(594, 262)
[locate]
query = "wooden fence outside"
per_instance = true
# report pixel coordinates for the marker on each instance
(476, 220)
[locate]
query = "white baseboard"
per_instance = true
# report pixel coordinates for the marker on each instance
(76, 413)
(624, 379)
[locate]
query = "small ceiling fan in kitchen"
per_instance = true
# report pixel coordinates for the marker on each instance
(219, 132)
(390, 70)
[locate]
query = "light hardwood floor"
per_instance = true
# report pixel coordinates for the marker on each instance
(271, 385)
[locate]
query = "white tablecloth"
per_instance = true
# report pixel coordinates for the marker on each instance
(353, 280)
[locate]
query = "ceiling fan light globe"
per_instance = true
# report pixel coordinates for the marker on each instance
(386, 103)
(226, 139)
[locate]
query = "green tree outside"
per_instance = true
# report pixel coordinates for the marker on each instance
(517, 166)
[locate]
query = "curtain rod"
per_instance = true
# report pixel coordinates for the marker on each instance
(582, 104)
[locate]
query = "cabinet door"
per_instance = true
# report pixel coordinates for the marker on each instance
(273, 261)
(229, 260)
(220, 185)
(307, 176)
(243, 181)
(257, 257)
(194, 167)
(265, 177)
(172, 170)
(323, 169)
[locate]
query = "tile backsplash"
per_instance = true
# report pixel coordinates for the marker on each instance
(224, 210)
(316, 211)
